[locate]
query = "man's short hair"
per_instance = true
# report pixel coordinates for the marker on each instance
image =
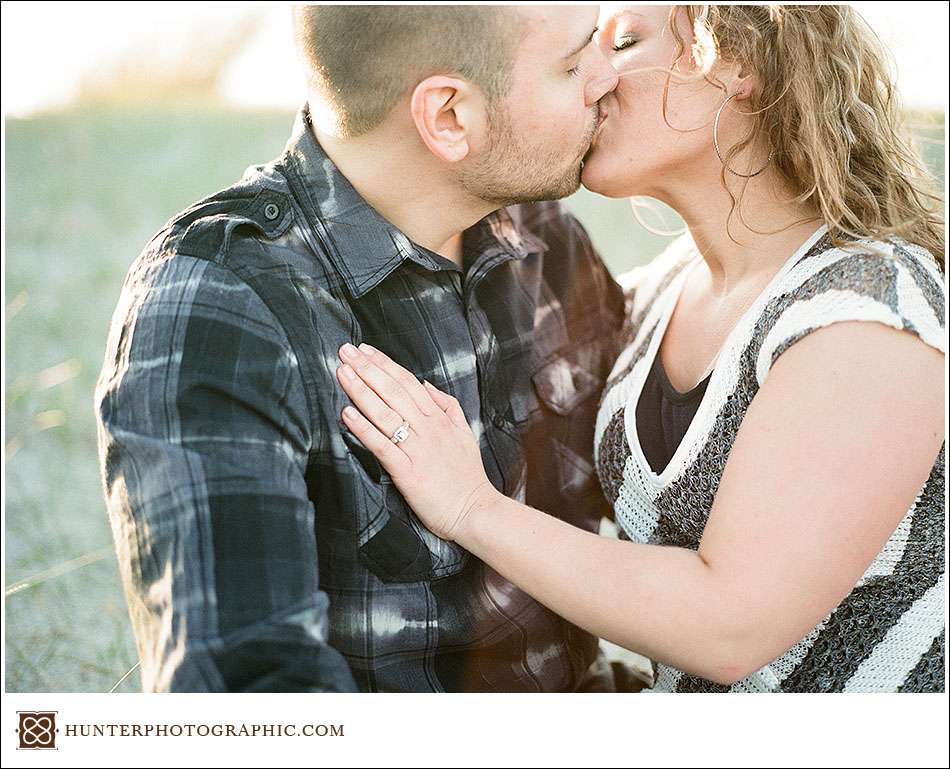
(363, 59)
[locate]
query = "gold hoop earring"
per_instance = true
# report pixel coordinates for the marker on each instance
(719, 153)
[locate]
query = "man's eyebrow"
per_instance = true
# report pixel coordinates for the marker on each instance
(583, 45)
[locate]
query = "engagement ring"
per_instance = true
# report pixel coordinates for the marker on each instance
(402, 432)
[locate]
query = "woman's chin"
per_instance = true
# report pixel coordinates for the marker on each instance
(597, 179)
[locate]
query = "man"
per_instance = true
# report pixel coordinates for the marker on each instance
(261, 546)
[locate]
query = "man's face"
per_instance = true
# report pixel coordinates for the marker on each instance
(539, 134)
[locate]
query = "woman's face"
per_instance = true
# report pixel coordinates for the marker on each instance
(636, 151)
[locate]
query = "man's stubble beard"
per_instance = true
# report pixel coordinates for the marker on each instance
(513, 171)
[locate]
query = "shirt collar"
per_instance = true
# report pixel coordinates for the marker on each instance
(364, 247)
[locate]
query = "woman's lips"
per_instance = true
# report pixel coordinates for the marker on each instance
(602, 116)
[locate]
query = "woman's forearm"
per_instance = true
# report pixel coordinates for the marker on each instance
(720, 619)
(663, 602)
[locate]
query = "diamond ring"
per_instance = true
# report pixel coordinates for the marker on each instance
(402, 432)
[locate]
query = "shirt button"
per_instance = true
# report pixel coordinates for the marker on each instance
(499, 421)
(271, 211)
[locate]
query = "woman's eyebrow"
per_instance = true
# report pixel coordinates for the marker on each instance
(583, 45)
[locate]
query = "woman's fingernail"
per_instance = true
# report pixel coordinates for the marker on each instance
(349, 412)
(367, 348)
(348, 372)
(349, 351)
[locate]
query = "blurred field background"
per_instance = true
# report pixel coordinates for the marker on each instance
(91, 173)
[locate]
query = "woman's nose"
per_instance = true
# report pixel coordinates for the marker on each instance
(600, 86)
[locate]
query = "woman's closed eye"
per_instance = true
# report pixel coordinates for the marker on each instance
(628, 41)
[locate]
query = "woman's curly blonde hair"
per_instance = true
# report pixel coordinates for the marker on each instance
(828, 108)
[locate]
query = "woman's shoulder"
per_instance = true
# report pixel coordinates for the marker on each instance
(893, 282)
(866, 266)
(644, 284)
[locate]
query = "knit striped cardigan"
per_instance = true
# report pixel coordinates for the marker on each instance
(888, 633)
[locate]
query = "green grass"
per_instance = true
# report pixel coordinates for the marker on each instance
(85, 190)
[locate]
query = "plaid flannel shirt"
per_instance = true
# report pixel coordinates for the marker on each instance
(261, 547)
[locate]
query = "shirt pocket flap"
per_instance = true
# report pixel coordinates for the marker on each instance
(402, 549)
(392, 541)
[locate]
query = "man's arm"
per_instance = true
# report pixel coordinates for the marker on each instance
(204, 434)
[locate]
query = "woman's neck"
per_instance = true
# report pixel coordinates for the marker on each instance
(749, 244)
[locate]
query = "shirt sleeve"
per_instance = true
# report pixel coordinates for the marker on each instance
(898, 285)
(204, 437)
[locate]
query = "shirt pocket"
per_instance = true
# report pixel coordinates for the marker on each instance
(392, 541)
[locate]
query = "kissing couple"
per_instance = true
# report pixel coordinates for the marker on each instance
(362, 413)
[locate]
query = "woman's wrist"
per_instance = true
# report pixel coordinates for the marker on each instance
(480, 500)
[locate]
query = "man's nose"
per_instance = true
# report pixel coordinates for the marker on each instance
(602, 83)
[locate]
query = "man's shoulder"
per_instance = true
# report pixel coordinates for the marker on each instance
(546, 217)
(588, 299)
(561, 236)
(243, 218)
(250, 237)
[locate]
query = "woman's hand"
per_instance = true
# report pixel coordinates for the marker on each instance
(438, 466)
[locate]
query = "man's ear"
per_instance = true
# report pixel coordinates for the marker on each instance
(446, 111)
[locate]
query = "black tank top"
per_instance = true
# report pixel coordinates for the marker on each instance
(664, 414)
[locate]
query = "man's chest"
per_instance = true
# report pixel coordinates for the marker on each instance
(478, 337)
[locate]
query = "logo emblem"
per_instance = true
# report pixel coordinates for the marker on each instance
(37, 730)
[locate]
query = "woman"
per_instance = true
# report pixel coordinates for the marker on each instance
(775, 461)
